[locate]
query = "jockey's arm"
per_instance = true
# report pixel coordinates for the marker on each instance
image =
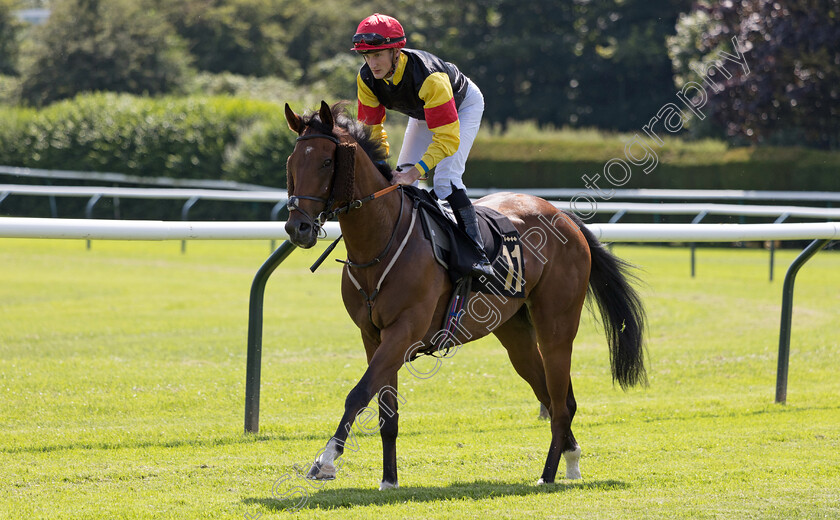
(372, 113)
(441, 118)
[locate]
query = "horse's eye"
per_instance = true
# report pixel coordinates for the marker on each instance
(327, 163)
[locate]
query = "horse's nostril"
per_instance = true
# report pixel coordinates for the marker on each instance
(303, 227)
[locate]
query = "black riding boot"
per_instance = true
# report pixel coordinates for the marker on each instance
(467, 221)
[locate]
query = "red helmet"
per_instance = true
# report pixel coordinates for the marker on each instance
(378, 31)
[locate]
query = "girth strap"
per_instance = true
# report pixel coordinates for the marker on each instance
(369, 298)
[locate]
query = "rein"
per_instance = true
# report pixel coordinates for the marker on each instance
(381, 255)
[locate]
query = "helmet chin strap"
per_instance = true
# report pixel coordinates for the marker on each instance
(395, 59)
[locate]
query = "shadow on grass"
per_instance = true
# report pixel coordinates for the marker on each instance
(478, 490)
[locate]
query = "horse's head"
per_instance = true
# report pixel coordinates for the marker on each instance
(320, 173)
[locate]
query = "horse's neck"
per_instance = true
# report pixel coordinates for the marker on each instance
(367, 229)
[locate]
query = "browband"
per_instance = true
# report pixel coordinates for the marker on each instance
(318, 136)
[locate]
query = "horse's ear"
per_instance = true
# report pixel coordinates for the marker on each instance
(345, 173)
(294, 120)
(326, 115)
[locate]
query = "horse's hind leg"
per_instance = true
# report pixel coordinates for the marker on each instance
(571, 450)
(518, 337)
(556, 330)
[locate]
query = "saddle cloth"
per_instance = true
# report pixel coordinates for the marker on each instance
(453, 249)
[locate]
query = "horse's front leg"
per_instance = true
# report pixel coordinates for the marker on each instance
(389, 418)
(382, 369)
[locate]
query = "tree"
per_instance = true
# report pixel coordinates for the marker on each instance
(623, 70)
(564, 63)
(791, 94)
(322, 30)
(239, 36)
(518, 53)
(109, 45)
(9, 29)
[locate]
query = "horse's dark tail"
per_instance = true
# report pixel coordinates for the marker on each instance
(622, 311)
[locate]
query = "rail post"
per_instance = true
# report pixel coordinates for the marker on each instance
(185, 215)
(696, 220)
(779, 220)
(275, 215)
(787, 314)
(615, 218)
(89, 212)
(255, 328)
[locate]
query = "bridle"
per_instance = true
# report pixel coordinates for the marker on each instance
(326, 214)
(329, 213)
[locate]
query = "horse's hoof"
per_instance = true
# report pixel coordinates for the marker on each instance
(320, 471)
(388, 485)
(542, 482)
(572, 463)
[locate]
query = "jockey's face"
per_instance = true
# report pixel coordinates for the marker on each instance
(380, 62)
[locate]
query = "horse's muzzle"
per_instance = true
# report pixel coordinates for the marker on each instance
(301, 233)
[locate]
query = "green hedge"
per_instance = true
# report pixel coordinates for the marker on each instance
(192, 138)
(499, 162)
(248, 141)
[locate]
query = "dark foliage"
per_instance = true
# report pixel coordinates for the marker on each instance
(99, 45)
(791, 95)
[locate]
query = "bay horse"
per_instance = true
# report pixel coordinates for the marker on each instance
(398, 296)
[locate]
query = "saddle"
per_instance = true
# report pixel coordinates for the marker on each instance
(455, 252)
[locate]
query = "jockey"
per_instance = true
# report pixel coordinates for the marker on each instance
(443, 106)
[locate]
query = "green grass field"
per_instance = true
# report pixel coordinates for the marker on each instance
(122, 376)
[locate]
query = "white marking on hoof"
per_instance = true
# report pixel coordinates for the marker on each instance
(540, 482)
(388, 485)
(320, 471)
(324, 466)
(572, 463)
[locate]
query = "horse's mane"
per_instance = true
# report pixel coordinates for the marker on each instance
(357, 130)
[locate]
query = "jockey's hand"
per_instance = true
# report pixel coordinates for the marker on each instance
(406, 176)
